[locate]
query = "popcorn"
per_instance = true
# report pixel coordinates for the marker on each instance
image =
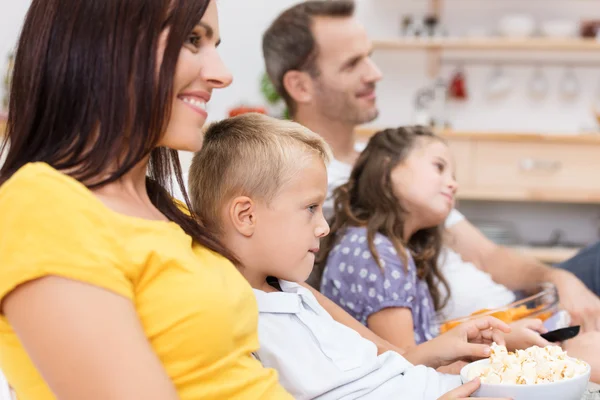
(531, 366)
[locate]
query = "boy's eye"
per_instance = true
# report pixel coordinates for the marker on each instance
(440, 167)
(312, 209)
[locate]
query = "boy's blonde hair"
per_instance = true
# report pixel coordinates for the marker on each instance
(249, 155)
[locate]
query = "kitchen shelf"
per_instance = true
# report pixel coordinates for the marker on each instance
(491, 44)
(365, 132)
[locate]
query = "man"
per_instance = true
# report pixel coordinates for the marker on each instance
(317, 55)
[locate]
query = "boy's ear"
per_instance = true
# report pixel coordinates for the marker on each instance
(242, 213)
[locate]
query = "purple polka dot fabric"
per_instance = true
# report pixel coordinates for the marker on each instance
(354, 281)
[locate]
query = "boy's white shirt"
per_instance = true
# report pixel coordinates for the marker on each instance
(471, 288)
(318, 358)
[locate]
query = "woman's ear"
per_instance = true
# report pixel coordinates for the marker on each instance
(299, 86)
(242, 213)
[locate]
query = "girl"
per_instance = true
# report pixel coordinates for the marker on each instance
(106, 285)
(380, 260)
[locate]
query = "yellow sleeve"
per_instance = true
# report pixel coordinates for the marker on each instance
(51, 225)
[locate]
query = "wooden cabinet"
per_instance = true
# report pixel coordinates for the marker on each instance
(532, 171)
(524, 167)
(463, 152)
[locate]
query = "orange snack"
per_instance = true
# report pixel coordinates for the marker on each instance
(506, 315)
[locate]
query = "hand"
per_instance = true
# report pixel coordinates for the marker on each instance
(582, 305)
(464, 391)
(585, 346)
(526, 333)
(469, 340)
(452, 369)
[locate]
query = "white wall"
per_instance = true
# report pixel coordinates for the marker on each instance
(11, 17)
(242, 24)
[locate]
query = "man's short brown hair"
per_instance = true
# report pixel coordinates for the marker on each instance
(289, 43)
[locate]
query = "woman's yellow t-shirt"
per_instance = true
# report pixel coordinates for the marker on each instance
(198, 312)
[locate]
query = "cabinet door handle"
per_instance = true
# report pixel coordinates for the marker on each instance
(531, 165)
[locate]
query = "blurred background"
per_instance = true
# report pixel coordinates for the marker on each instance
(513, 85)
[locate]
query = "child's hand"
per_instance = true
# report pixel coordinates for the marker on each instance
(526, 333)
(452, 369)
(464, 391)
(469, 340)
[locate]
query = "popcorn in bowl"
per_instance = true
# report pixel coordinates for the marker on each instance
(534, 365)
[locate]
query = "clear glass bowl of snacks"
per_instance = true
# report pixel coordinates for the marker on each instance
(540, 302)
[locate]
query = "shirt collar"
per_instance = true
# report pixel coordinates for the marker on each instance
(289, 301)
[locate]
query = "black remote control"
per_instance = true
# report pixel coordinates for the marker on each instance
(560, 335)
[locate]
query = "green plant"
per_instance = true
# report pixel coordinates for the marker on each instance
(270, 93)
(7, 81)
(268, 90)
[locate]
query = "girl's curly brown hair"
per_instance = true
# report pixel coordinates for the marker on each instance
(368, 200)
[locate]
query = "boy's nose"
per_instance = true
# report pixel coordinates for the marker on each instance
(323, 229)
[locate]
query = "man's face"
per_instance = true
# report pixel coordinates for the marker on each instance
(345, 84)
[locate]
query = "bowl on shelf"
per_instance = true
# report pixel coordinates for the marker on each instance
(541, 302)
(516, 26)
(559, 28)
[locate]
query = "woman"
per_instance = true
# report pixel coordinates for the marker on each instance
(108, 289)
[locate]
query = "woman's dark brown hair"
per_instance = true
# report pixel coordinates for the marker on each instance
(368, 200)
(90, 96)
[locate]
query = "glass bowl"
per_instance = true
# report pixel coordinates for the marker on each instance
(540, 302)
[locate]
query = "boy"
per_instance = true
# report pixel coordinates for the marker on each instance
(259, 184)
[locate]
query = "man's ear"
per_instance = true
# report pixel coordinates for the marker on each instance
(242, 213)
(299, 85)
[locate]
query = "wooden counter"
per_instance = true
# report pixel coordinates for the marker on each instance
(548, 255)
